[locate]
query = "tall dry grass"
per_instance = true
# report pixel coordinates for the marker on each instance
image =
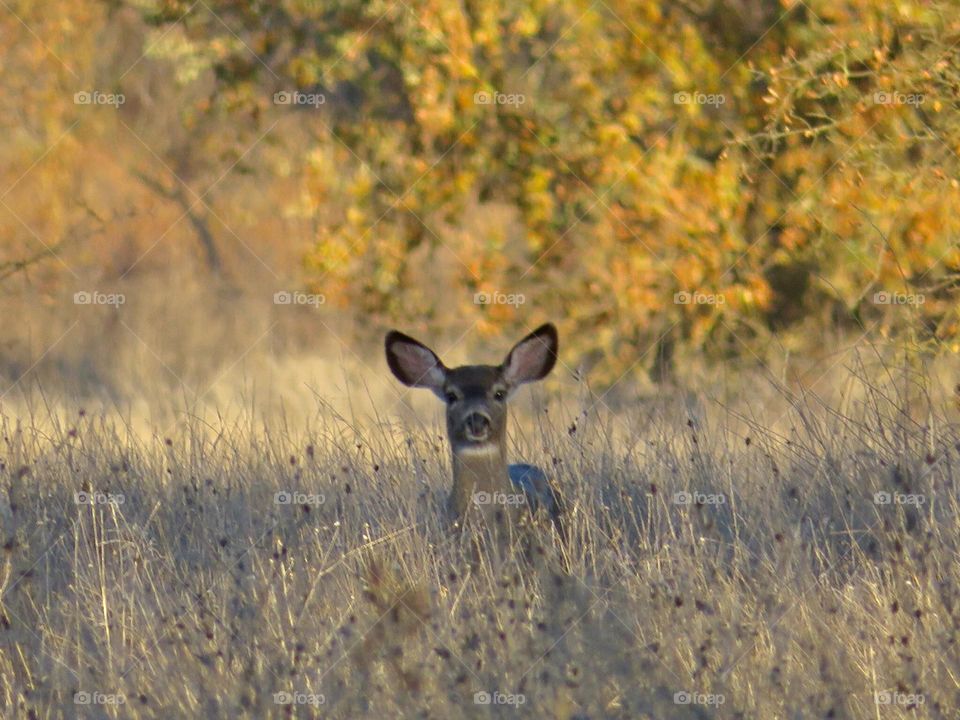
(780, 586)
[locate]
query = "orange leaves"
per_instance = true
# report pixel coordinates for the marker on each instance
(603, 160)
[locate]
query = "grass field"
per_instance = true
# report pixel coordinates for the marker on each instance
(219, 498)
(770, 551)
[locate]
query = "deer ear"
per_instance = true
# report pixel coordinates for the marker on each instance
(413, 363)
(533, 357)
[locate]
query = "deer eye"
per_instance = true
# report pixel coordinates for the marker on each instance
(452, 397)
(500, 395)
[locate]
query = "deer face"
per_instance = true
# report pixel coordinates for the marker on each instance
(475, 395)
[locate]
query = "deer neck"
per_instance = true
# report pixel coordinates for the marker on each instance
(478, 470)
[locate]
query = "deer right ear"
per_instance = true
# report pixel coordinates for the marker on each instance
(532, 358)
(413, 363)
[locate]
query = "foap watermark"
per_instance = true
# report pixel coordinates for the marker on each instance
(298, 698)
(695, 698)
(498, 498)
(498, 698)
(498, 98)
(699, 98)
(94, 697)
(698, 298)
(285, 297)
(892, 697)
(95, 497)
(895, 498)
(897, 298)
(98, 298)
(95, 97)
(899, 98)
(287, 97)
(499, 298)
(685, 497)
(289, 497)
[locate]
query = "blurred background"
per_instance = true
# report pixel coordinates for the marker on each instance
(230, 202)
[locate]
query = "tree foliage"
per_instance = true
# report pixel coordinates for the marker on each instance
(657, 175)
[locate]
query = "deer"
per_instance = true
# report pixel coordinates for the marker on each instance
(476, 398)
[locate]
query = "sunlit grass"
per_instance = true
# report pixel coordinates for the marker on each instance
(777, 581)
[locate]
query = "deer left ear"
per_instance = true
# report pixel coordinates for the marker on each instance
(413, 363)
(532, 358)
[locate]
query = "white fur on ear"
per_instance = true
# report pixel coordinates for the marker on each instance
(414, 364)
(532, 358)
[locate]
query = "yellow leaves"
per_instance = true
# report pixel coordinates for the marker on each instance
(358, 186)
(952, 259)
(464, 97)
(629, 196)
(689, 272)
(537, 241)
(306, 69)
(540, 202)
(463, 181)
(916, 12)
(793, 238)
(526, 24)
(757, 293)
(390, 251)
(187, 58)
(351, 46)
(330, 254)
(436, 102)
(356, 216)
(612, 136)
(631, 122)
(538, 180)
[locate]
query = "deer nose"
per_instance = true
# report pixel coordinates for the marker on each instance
(477, 425)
